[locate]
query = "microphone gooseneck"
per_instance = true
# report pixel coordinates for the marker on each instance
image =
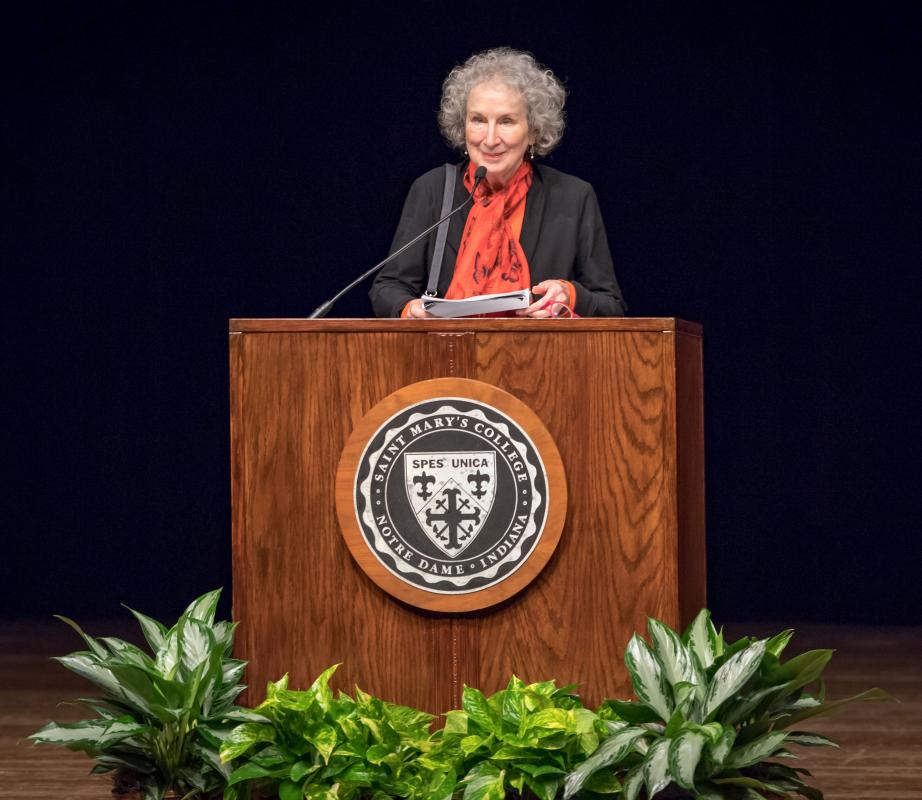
(324, 308)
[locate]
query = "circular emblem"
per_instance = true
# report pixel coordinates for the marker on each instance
(456, 494)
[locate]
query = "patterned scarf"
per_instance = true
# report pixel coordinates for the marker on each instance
(491, 258)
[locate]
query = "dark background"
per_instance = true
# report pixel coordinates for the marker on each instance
(167, 166)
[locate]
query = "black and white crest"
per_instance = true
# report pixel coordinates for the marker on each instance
(451, 495)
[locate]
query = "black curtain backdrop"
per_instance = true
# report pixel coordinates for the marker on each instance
(168, 166)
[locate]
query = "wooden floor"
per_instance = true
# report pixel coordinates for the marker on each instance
(881, 756)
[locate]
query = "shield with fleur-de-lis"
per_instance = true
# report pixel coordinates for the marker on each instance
(451, 495)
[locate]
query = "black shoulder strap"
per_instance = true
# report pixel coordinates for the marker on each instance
(435, 268)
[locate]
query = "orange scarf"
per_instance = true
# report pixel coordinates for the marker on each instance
(491, 258)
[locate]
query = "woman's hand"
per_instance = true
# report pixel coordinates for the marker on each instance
(415, 310)
(554, 297)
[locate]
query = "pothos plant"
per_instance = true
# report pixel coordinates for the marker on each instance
(521, 740)
(709, 716)
(312, 744)
(160, 716)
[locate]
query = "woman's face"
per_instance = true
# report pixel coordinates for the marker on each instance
(496, 130)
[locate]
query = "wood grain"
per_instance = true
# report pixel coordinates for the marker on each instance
(608, 391)
(301, 602)
(501, 324)
(689, 424)
(616, 563)
(880, 759)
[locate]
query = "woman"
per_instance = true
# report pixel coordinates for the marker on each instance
(530, 225)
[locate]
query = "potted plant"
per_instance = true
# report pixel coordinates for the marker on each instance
(522, 740)
(710, 720)
(312, 744)
(161, 716)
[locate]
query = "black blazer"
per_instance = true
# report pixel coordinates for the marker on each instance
(563, 236)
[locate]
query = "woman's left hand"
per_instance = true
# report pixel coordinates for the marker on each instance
(552, 299)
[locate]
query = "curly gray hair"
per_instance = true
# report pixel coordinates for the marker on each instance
(542, 92)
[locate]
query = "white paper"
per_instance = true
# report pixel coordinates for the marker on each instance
(478, 304)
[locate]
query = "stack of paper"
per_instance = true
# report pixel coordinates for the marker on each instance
(478, 304)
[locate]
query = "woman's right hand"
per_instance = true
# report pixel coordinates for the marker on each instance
(415, 310)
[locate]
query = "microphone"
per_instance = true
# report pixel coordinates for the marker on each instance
(323, 309)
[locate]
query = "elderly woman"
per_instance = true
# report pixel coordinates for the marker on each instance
(529, 225)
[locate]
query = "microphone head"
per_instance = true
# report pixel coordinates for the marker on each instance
(480, 173)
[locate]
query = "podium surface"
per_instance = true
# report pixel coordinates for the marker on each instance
(622, 399)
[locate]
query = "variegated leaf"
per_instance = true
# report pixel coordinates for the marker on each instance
(702, 638)
(324, 739)
(685, 695)
(168, 656)
(633, 783)
(610, 752)
(485, 782)
(127, 653)
(676, 660)
(656, 775)
(701, 687)
(478, 710)
(78, 733)
(224, 635)
(825, 708)
(746, 705)
(806, 739)
(86, 665)
(755, 751)
(718, 751)
(440, 787)
(203, 608)
(320, 688)
(196, 643)
(684, 755)
(98, 650)
(647, 677)
(154, 632)
(243, 737)
(732, 676)
(712, 731)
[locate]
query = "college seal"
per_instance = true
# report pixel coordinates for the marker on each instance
(456, 494)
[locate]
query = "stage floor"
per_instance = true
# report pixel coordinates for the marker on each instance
(881, 756)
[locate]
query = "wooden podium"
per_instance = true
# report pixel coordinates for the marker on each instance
(622, 399)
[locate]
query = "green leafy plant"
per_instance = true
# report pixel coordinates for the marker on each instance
(525, 738)
(318, 746)
(161, 717)
(708, 716)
